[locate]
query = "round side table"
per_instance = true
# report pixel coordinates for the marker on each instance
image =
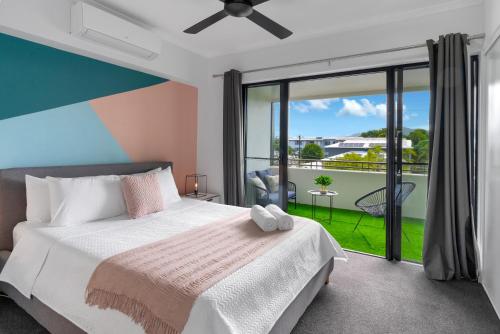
(315, 194)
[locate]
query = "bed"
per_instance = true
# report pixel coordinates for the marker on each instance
(47, 268)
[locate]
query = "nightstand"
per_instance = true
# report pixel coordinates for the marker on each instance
(207, 197)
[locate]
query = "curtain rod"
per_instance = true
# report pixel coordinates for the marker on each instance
(355, 55)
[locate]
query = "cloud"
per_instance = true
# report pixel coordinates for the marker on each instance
(301, 107)
(408, 116)
(312, 105)
(362, 108)
(320, 104)
(365, 108)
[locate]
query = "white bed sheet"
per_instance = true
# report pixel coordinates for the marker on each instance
(55, 263)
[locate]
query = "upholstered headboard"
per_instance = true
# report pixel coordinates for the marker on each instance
(13, 188)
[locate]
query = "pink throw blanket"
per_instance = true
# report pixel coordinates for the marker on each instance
(157, 284)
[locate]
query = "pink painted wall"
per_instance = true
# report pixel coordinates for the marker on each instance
(155, 123)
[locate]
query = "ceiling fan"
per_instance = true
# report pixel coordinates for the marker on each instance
(242, 8)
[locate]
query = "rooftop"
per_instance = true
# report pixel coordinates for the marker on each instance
(360, 142)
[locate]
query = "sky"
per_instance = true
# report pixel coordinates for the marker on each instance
(352, 115)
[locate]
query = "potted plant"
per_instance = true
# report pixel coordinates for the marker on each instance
(323, 181)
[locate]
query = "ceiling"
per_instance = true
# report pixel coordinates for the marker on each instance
(343, 86)
(356, 85)
(306, 18)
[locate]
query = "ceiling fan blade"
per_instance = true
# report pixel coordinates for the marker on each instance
(269, 25)
(258, 2)
(206, 23)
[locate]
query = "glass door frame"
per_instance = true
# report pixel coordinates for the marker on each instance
(283, 120)
(394, 82)
(395, 108)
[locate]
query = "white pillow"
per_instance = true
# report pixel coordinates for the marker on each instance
(151, 171)
(168, 188)
(85, 199)
(256, 181)
(37, 200)
(274, 183)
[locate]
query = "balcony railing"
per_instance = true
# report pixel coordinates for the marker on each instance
(408, 167)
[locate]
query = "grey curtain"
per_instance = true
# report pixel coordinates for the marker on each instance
(233, 139)
(449, 241)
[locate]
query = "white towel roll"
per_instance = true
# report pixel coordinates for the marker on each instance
(285, 221)
(263, 218)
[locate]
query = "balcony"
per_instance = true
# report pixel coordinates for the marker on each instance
(352, 180)
(369, 237)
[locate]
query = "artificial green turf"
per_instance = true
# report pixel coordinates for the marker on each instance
(369, 237)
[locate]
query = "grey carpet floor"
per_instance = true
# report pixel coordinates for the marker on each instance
(13, 320)
(366, 295)
(373, 295)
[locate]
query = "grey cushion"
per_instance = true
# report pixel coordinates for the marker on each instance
(273, 197)
(251, 175)
(263, 174)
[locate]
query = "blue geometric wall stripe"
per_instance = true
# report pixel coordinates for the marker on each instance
(69, 135)
(35, 77)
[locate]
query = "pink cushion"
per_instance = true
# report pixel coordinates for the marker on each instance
(142, 194)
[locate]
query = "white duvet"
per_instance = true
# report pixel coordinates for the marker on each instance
(55, 263)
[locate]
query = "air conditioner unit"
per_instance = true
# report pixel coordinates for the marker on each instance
(102, 27)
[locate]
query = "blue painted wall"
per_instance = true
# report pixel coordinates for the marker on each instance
(69, 135)
(35, 77)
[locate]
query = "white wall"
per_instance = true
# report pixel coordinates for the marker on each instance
(259, 120)
(408, 31)
(491, 16)
(489, 228)
(48, 22)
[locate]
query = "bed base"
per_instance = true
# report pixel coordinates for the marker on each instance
(57, 324)
(294, 312)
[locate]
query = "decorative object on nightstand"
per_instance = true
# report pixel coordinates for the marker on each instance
(197, 182)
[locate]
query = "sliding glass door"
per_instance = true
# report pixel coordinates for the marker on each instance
(265, 170)
(412, 160)
(337, 132)
(349, 150)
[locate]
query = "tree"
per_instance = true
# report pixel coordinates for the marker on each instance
(380, 133)
(375, 154)
(409, 154)
(312, 151)
(351, 156)
(422, 151)
(418, 135)
(352, 160)
(420, 142)
(276, 144)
